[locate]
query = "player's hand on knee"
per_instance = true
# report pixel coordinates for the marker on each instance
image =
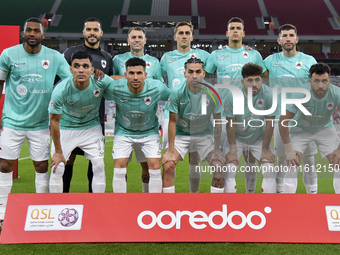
(336, 158)
(169, 156)
(267, 157)
(57, 158)
(232, 157)
(216, 157)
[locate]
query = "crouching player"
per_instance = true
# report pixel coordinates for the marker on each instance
(74, 121)
(188, 127)
(136, 123)
(253, 131)
(317, 127)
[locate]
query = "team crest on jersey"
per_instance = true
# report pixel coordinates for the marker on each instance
(298, 65)
(226, 106)
(245, 55)
(193, 55)
(96, 92)
(148, 65)
(103, 62)
(260, 102)
(147, 100)
(51, 103)
(45, 64)
(330, 105)
(208, 102)
(169, 101)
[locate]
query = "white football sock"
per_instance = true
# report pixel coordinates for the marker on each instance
(310, 177)
(145, 187)
(119, 182)
(6, 183)
(290, 180)
(170, 189)
(250, 176)
(155, 182)
(41, 182)
(336, 181)
(229, 179)
(269, 182)
(194, 178)
(216, 190)
(281, 161)
(56, 179)
(99, 180)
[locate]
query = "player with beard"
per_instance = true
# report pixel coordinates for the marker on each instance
(290, 68)
(29, 70)
(102, 60)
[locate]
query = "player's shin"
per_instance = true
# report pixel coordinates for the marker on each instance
(290, 180)
(336, 180)
(194, 178)
(6, 183)
(250, 176)
(56, 179)
(99, 180)
(229, 179)
(310, 177)
(119, 181)
(269, 182)
(41, 182)
(155, 182)
(281, 165)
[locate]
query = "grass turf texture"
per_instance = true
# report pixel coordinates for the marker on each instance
(25, 184)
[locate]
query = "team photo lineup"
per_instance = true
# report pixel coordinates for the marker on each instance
(277, 112)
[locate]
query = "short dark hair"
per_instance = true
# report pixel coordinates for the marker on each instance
(193, 61)
(81, 54)
(135, 62)
(235, 19)
(286, 27)
(93, 19)
(137, 29)
(184, 23)
(35, 20)
(319, 68)
(251, 69)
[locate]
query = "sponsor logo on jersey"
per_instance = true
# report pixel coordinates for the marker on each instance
(226, 79)
(17, 65)
(245, 55)
(172, 60)
(147, 100)
(223, 57)
(134, 114)
(179, 70)
(45, 64)
(32, 78)
(21, 90)
(127, 121)
(260, 102)
(175, 82)
(276, 65)
(40, 91)
(330, 105)
(193, 116)
(72, 103)
(148, 65)
(51, 103)
(182, 103)
(298, 65)
(123, 100)
(183, 122)
(305, 123)
(234, 67)
(96, 92)
(103, 62)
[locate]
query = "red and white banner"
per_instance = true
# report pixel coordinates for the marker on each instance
(134, 217)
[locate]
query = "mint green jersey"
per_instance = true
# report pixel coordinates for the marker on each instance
(153, 68)
(228, 62)
(136, 113)
(79, 107)
(29, 85)
(251, 128)
(187, 105)
(321, 110)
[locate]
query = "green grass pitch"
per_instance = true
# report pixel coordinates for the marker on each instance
(25, 184)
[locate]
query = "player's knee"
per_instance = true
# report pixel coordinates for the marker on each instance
(194, 158)
(98, 165)
(7, 166)
(71, 160)
(145, 167)
(41, 166)
(168, 168)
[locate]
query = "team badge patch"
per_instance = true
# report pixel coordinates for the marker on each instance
(45, 64)
(103, 62)
(148, 65)
(208, 102)
(260, 102)
(147, 100)
(226, 106)
(193, 55)
(96, 92)
(330, 105)
(298, 65)
(51, 103)
(169, 101)
(245, 55)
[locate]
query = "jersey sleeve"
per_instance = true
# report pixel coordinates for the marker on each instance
(4, 61)
(158, 73)
(205, 56)
(267, 62)
(228, 104)
(210, 66)
(57, 100)
(173, 101)
(115, 65)
(164, 91)
(259, 61)
(67, 55)
(110, 91)
(63, 67)
(163, 66)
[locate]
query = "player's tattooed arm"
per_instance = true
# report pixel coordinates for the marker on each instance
(218, 180)
(217, 131)
(1, 86)
(231, 156)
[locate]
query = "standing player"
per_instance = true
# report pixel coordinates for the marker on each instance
(102, 60)
(228, 63)
(290, 68)
(317, 127)
(172, 64)
(136, 123)
(74, 111)
(251, 138)
(137, 40)
(188, 127)
(29, 70)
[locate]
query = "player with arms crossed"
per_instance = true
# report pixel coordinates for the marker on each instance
(136, 123)
(290, 68)
(29, 70)
(172, 64)
(188, 127)
(74, 114)
(228, 63)
(317, 127)
(251, 138)
(137, 40)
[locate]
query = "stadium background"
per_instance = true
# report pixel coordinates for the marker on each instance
(318, 27)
